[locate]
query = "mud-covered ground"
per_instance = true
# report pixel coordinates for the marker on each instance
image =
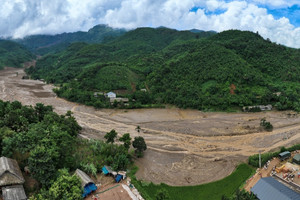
(185, 147)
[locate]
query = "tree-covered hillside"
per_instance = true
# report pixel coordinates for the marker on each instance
(200, 70)
(43, 44)
(13, 54)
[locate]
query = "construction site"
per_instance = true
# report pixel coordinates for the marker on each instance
(279, 176)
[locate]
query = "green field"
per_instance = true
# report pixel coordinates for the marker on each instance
(209, 191)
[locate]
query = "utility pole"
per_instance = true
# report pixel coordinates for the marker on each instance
(259, 157)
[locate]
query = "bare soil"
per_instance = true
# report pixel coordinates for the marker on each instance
(114, 191)
(185, 147)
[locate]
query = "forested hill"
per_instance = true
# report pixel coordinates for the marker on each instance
(13, 54)
(190, 69)
(43, 44)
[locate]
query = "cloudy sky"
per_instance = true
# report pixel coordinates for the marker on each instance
(278, 20)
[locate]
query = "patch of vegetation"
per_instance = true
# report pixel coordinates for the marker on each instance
(64, 187)
(13, 54)
(266, 125)
(212, 191)
(254, 159)
(241, 195)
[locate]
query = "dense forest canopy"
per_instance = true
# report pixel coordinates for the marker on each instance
(47, 144)
(13, 54)
(200, 70)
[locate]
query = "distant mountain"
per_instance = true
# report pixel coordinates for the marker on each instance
(199, 31)
(13, 54)
(202, 70)
(43, 44)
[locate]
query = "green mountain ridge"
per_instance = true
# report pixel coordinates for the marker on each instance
(44, 44)
(201, 70)
(13, 54)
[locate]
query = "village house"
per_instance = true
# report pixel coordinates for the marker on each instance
(11, 180)
(87, 183)
(111, 95)
(14, 192)
(261, 107)
(296, 159)
(124, 100)
(98, 94)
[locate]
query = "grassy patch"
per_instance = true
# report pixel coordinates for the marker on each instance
(214, 190)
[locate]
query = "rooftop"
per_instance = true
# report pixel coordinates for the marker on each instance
(10, 173)
(270, 189)
(15, 192)
(84, 178)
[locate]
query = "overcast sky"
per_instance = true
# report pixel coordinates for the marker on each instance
(278, 20)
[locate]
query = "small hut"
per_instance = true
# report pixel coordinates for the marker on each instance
(107, 170)
(121, 175)
(10, 173)
(284, 155)
(296, 159)
(15, 192)
(86, 182)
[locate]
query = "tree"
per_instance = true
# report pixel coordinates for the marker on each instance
(138, 128)
(41, 110)
(65, 187)
(5, 133)
(162, 194)
(120, 162)
(110, 136)
(266, 125)
(240, 195)
(43, 162)
(126, 139)
(89, 168)
(140, 145)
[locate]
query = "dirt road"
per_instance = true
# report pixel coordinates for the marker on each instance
(185, 147)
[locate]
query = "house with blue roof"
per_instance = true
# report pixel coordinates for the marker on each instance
(270, 189)
(107, 170)
(87, 183)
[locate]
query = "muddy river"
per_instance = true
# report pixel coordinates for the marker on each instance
(185, 147)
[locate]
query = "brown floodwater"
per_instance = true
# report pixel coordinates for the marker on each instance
(185, 147)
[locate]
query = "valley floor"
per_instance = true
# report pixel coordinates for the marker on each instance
(185, 147)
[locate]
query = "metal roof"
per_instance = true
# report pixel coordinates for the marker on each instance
(84, 178)
(270, 189)
(285, 153)
(10, 173)
(15, 192)
(297, 157)
(108, 169)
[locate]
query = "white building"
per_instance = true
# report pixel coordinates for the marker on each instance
(111, 95)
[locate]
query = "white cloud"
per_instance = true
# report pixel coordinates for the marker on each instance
(23, 17)
(277, 3)
(212, 5)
